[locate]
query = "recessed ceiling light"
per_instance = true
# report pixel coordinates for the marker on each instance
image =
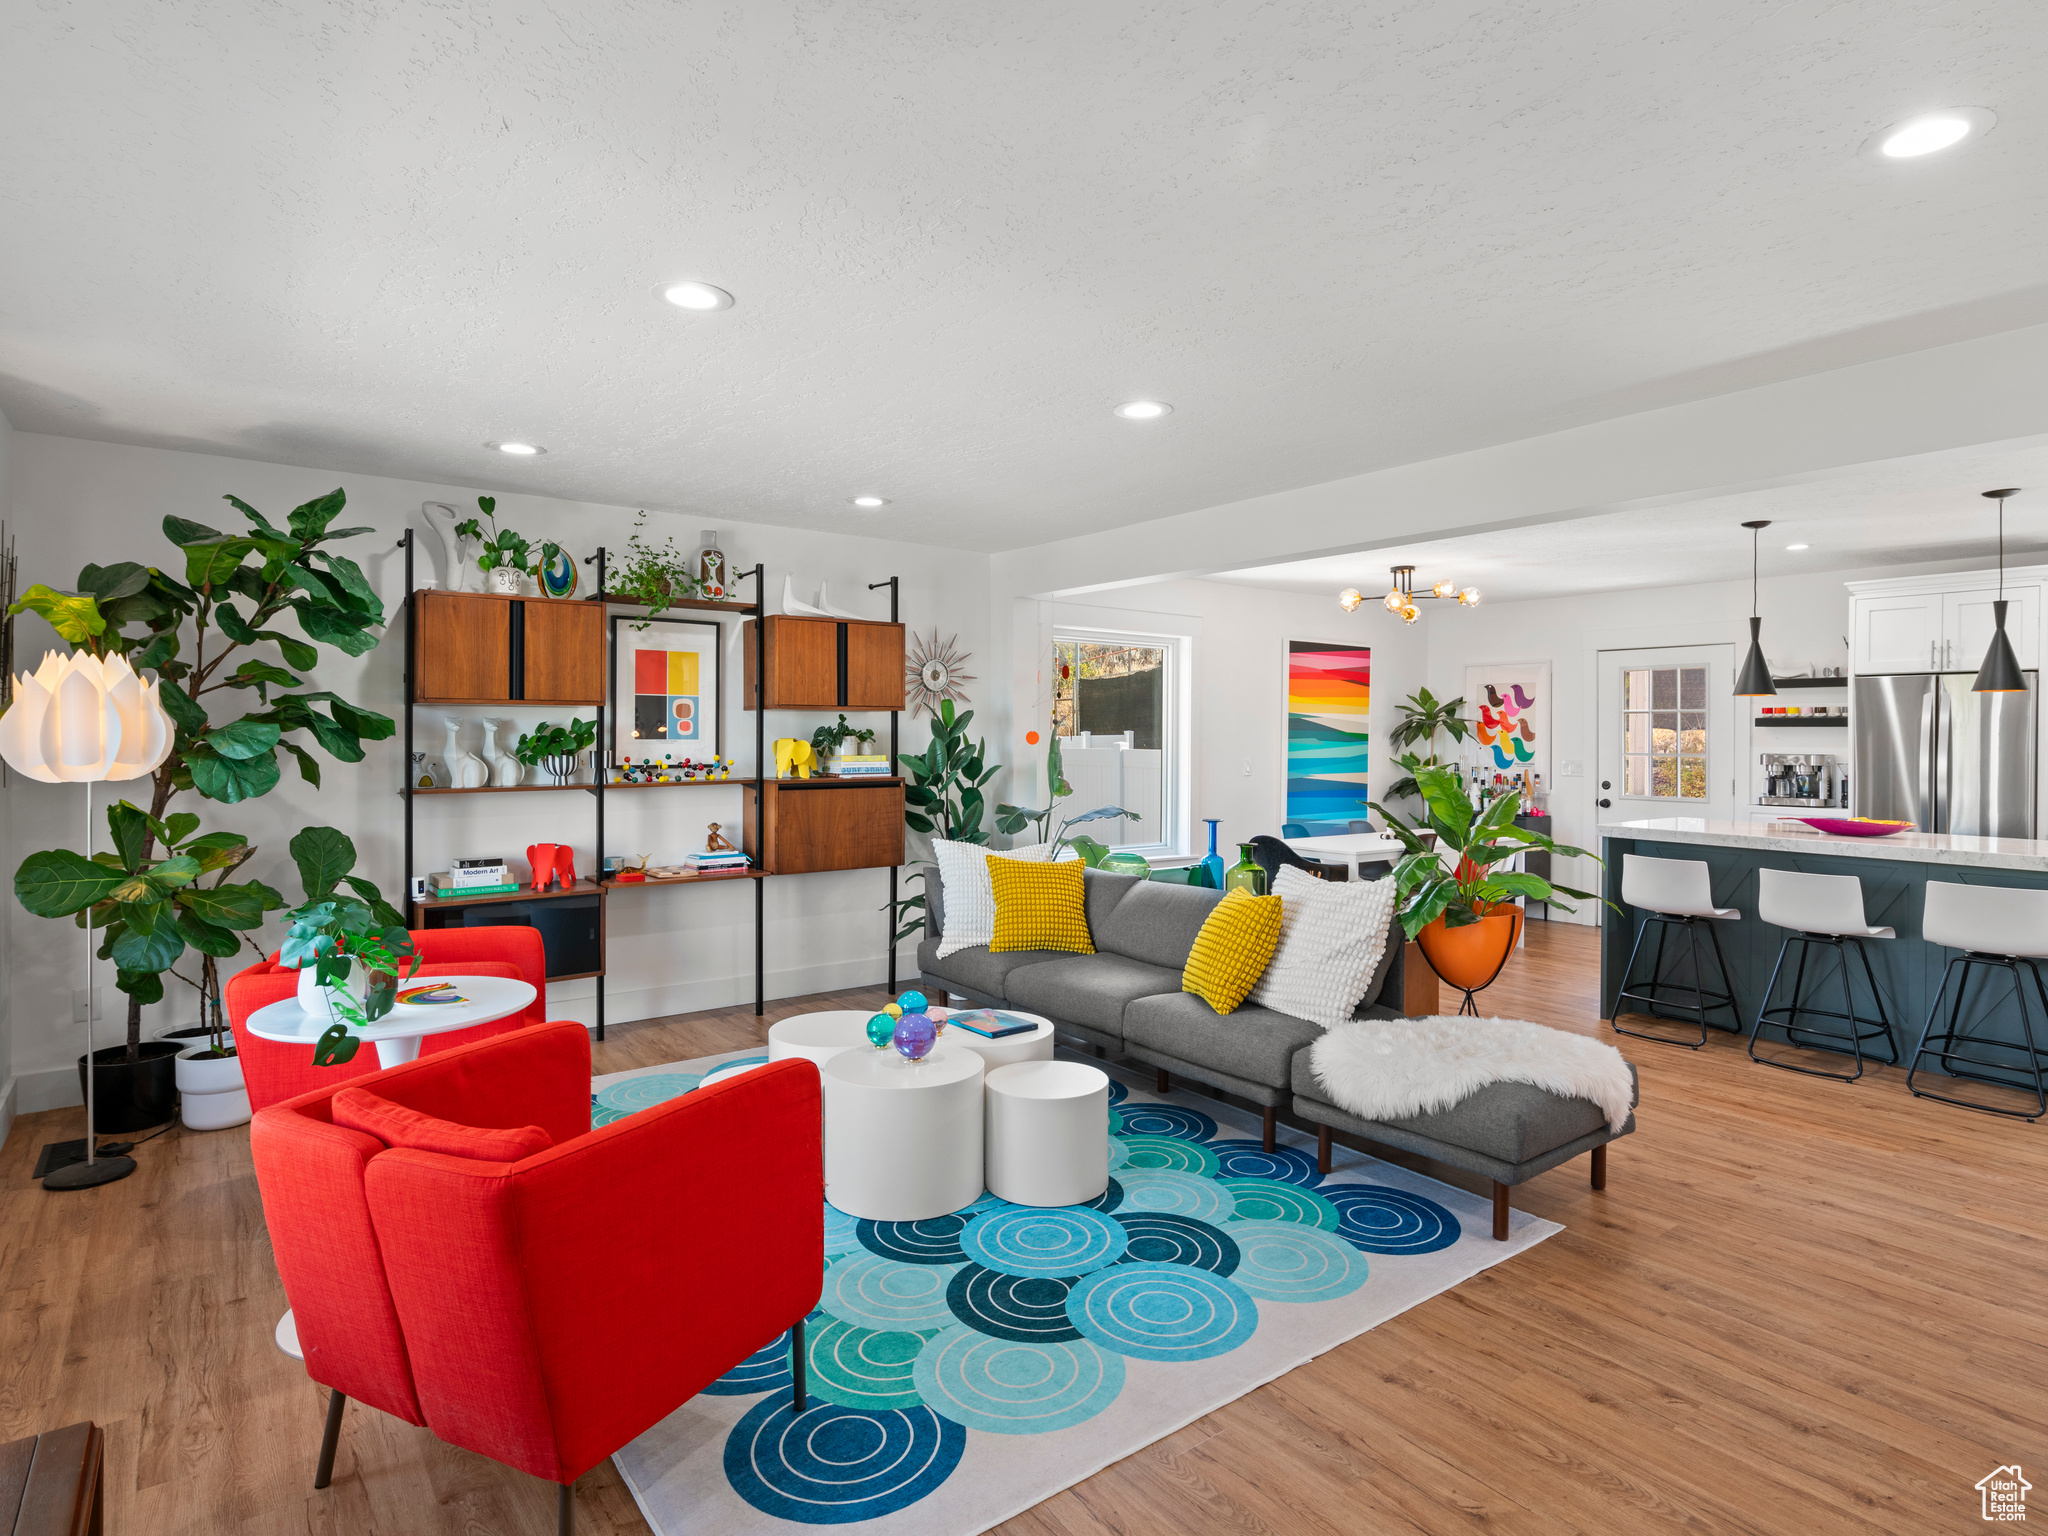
(518, 450)
(868, 501)
(1799, 546)
(1928, 134)
(1143, 410)
(699, 298)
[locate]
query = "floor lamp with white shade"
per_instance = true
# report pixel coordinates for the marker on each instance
(79, 720)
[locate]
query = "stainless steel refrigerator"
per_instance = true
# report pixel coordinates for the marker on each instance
(1931, 752)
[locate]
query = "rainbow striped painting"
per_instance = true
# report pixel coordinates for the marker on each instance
(1329, 689)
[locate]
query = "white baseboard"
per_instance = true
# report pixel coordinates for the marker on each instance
(8, 1096)
(578, 1000)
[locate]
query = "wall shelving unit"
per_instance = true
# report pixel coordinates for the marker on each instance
(599, 886)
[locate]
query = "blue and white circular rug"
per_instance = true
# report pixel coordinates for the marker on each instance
(963, 1369)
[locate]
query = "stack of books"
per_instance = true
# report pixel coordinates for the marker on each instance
(729, 861)
(860, 765)
(472, 877)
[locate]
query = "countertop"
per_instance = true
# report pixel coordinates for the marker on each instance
(2020, 853)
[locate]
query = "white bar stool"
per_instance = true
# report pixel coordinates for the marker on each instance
(1820, 909)
(2000, 928)
(1673, 893)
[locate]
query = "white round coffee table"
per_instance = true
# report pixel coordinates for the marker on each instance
(818, 1036)
(903, 1140)
(1048, 1133)
(398, 1034)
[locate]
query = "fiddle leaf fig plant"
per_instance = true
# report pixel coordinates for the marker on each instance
(943, 797)
(213, 638)
(1422, 717)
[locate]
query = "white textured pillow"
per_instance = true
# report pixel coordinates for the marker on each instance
(970, 902)
(1331, 940)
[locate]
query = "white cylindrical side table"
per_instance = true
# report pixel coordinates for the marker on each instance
(903, 1139)
(819, 1036)
(1048, 1133)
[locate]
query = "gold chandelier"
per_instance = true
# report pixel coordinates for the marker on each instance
(1402, 596)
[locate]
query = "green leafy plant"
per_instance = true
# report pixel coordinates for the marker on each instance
(237, 588)
(829, 739)
(500, 546)
(1013, 819)
(546, 741)
(150, 911)
(1422, 716)
(1457, 880)
(336, 931)
(943, 797)
(654, 578)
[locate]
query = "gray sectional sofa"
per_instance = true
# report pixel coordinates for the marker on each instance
(1126, 998)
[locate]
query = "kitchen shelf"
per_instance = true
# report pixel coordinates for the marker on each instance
(580, 888)
(1797, 722)
(1809, 682)
(614, 884)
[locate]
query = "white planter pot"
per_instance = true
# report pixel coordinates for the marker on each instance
(316, 999)
(210, 1091)
(506, 579)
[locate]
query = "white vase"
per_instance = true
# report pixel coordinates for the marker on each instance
(318, 1000)
(465, 769)
(441, 519)
(211, 1093)
(506, 770)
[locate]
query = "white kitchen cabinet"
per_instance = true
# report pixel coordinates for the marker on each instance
(1896, 632)
(1967, 621)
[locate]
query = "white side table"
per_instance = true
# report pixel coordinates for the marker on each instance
(903, 1140)
(1048, 1133)
(818, 1036)
(398, 1034)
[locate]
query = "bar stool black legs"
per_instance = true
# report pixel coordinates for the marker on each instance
(1962, 1055)
(1860, 1029)
(1646, 992)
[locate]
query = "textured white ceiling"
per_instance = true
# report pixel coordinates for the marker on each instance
(369, 236)
(1903, 512)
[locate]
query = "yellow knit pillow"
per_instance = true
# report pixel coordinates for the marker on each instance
(1039, 906)
(1233, 949)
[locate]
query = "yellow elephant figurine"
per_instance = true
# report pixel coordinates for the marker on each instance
(792, 753)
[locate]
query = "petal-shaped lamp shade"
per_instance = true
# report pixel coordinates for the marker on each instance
(80, 719)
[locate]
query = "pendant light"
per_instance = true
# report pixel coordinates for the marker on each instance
(1754, 680)
(2001, 670)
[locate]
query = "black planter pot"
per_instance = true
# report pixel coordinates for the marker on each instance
(133, 1095)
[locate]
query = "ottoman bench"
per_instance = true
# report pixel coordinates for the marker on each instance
(1506, 1132)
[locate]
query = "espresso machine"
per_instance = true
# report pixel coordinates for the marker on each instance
(1801, 778)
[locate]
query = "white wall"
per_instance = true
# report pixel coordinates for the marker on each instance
(1237, 687)
(1805, 619)
(8, 916)
(669, 949)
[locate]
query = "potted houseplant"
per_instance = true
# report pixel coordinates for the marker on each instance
(501, 553)
(556, 748)
(351, 949)
(1422, 716)
(828, 741)
(1454, 900)
(653, 578)
(211, 638)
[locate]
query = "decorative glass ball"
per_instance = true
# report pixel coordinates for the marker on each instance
(913, 1002)
(915, 1036)
(881, 1030)
(893, 1010)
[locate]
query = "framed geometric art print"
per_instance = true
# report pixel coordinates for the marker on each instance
(665, 688)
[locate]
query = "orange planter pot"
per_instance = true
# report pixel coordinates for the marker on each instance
(1470, 957)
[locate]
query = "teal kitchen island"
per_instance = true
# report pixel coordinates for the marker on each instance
(1894, 870)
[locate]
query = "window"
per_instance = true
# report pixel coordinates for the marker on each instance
(1114, 707)
(1664, 725)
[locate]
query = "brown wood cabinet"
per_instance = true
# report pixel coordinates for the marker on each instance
(805, 825)
(479, 648)
(825, 664)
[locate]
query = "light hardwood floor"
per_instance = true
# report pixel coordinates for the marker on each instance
(1799, 1306)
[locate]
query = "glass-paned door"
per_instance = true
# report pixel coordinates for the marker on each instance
(1667, 733)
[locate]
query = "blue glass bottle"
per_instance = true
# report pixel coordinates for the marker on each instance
(1211, 867)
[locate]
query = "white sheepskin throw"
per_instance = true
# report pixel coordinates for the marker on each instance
(1389, 1069)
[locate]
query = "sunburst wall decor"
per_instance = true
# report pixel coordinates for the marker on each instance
(934, 671)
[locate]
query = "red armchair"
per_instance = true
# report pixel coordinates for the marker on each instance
(274, 1071)
(478, 1298)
